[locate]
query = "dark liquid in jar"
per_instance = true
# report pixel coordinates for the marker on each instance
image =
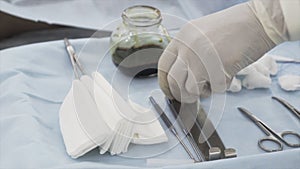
(139, 62)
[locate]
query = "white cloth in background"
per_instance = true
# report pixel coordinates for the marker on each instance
(95, 14)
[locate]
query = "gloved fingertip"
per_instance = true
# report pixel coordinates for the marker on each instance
(102, 151)
(236, 85)
(205, 90)
(163, 83)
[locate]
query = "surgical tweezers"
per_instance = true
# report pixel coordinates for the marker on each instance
(168, 123)
(186, 131)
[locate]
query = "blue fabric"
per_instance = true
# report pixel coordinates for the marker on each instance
(36, 78)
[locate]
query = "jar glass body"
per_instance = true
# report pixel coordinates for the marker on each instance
(138, 42)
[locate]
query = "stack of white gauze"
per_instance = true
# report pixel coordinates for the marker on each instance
(94, 115)
(256, 75)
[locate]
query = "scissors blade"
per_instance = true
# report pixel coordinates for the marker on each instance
(249, 114)
(288, 106)
(267, 130)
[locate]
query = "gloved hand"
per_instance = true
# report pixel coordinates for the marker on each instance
(208, 52)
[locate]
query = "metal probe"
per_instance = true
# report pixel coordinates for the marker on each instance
(168, 123)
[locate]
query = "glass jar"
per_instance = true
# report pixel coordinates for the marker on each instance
(138, 42)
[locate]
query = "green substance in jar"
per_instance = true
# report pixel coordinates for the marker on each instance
(138, 61)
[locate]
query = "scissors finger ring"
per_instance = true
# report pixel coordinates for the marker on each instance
(270, 139)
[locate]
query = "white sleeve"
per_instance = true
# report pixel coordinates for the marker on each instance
(291, 13)
(280, 18)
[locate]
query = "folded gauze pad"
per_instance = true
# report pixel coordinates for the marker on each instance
(76, 131)
(289, 82)
(129, 121)
(90, 117)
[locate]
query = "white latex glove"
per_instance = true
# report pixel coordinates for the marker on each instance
(208, 52)
(236, 85)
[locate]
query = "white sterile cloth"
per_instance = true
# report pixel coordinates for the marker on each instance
(99, 14)
(106, 120)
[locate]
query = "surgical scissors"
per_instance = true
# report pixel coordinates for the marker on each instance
(272, 136)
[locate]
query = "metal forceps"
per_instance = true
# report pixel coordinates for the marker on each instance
(168, 123)
(272, 136)
(186, 132)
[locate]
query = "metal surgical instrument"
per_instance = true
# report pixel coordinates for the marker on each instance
(186, 131)
(283, 59)
(213, 145)
(203, 131)
(74, 59)
(272, 136)
(168, 123)
(288, 106)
